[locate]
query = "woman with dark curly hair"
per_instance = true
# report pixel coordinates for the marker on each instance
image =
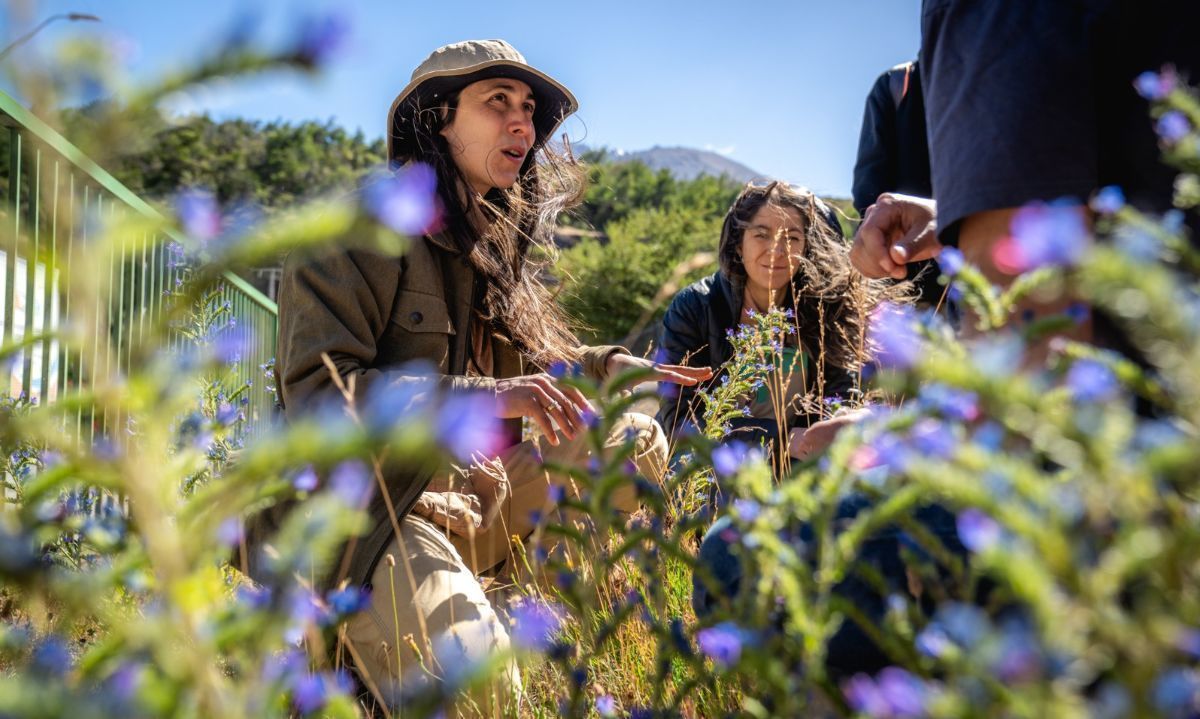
(781, 247)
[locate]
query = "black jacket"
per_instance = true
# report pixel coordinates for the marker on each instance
(893, 152)
(694, 327)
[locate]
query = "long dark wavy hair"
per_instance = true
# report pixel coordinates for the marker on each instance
(507, 235)
(831, 300)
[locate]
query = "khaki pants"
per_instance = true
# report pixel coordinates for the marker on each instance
(437, 599)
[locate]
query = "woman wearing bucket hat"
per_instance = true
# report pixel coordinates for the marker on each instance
(468, 299)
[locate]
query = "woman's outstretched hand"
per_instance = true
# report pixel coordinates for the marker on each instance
(674, 373)
(543, 400)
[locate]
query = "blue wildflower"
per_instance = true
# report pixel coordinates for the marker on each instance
(951, 402)
(391, 404)
(1020, 658)
(1173, 126)
(230, 532)
(950, 259)
(321, 37)
(1155, 86)
(606, 706)
(405, 202)
(933, 642)
(722, 643)
(227, 414)
(535, 624)
(746, 510)
(1109, 200)
(309, 693)
(285, 667)
(351, 482)
(1176, 692)
(1078, 312)
(894, 337)
(864, 697)
(198, 214)
(255, 598)
(728, 458)
(906, 694)
(1091, 381)
(351, 600)
(977, 531)
(467, 423)
(51, 657)
(306, 480)
(126, 680)
(1042, 234)
(933, 438)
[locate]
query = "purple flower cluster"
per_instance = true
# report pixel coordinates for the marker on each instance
(893, 694)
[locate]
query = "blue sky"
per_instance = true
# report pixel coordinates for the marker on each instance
(777, 86)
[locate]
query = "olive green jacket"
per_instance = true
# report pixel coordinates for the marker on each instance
(373, 314)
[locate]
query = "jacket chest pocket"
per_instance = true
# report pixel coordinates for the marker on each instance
(420, 328)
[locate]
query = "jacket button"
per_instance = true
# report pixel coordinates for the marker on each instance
(416, 318)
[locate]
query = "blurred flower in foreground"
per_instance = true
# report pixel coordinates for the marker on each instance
(729, 458)
(1091, 381)
(723, 643)
(894, 693)
(893, 334)
(1156, 86)
(978, 531)
(1108, 200)
(950, 259)
(321, 37)
(1042, 235)
(1173, 126)
(198, 214)
(351, 483)
(535, 624)
(467, 423)
(405, 202)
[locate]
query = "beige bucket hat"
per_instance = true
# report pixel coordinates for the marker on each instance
(452, 67)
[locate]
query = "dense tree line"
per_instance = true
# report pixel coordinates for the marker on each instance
(272, 165)
(653, 228)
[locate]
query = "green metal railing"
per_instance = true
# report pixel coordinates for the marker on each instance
(48, 178)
